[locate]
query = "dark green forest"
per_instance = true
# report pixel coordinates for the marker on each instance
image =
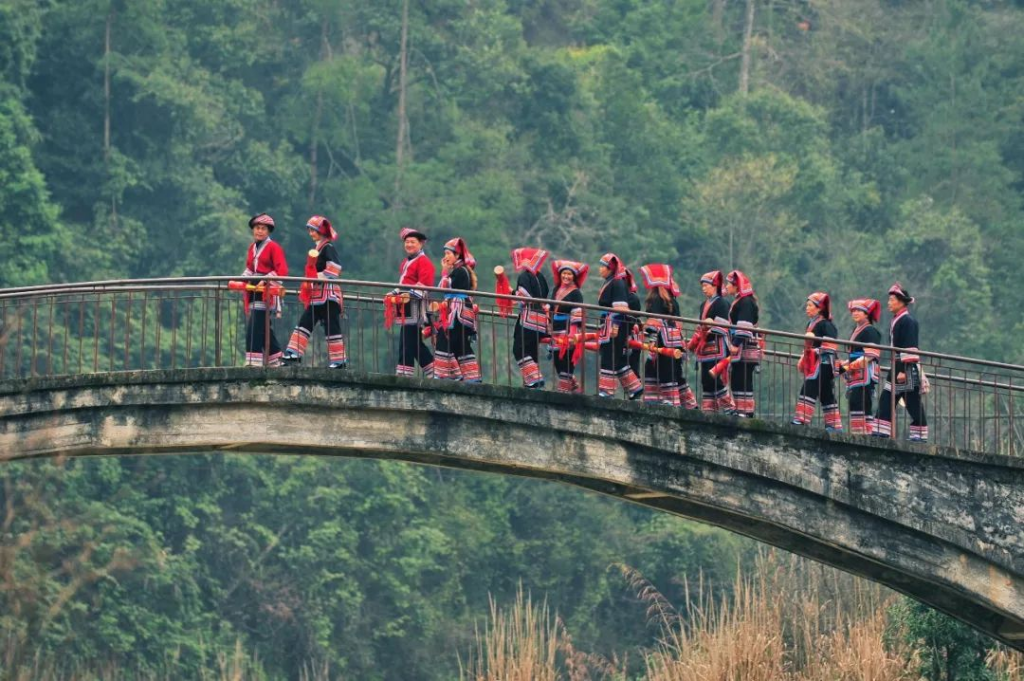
(837, 145)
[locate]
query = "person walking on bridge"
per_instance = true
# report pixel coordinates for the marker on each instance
(817, 363)
(744, 342)
(567, 329)
(615, 329)
(710, 344)
(861, 371)
(408, 306)
(455, 328)
(903, 334)
(661, 338)
(532, 323)
(322, 299)
(264, 258)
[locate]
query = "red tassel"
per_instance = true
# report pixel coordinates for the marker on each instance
(389, 311)
(503, 288)
(577, 352)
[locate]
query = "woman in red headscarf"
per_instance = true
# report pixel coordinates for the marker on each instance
(861, 372)
(817, 365)
(454, 358)
(710, 344)
(567, 321)
(615, 329)
(264, 258)
(323, 300)
(662, 372)
(532, 323)
(744, 341)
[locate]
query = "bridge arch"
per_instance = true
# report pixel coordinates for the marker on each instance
(939, 525)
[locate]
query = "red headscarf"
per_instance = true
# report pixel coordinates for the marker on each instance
(655, 275)
(529, 259)
(822, 301)
(869, 306)
(578, 269)
(714, 277)
(613, 263)
(322, 226)
(741, 282)
(461, 251)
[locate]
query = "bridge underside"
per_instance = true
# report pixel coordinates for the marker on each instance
(940, 526)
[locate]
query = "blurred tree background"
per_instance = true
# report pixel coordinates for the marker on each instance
(815, 144)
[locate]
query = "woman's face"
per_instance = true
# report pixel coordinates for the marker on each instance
(260, 232)
(858, 316)
(314, 235)
(604, 271)
(449, 258)
(811, 309)
(412, 245)
(731, 289)
(709, 290)
(895, 304)
(567, 277)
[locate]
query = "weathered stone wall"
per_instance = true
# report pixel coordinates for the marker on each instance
(940, 525)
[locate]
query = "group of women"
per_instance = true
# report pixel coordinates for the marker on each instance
(628, 332)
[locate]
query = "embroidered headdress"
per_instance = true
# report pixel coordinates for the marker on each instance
(262, 219)
(714, 277)
(410, 231)
(655, 275)
(901, 293)
(741, 282)
(578, 269)
(529, 259)
(821, 300)
(322, 226)
(869, 306)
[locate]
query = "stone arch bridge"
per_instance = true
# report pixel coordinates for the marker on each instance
(939, 525)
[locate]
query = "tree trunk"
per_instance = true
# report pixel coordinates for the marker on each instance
(400, 142)
(748, 31)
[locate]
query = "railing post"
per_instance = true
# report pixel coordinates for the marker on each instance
(893, 373)
(217, 327)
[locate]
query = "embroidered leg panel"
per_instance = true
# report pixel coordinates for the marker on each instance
(652, 391)
(669, 394)
(470, 368)
(859, 423)
(833, 419)
(805, 407)
(531, 372)
(405, 370)
(336, 349)
(606, 383)
(299, 340)
(630, 382)
(883, 427)
(688, 399)
(724, 401)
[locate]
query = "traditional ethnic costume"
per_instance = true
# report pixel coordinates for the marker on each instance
(532, 323)
(614, 334)
(903, 334)
(709, 344)
(264, 258)
(323, 298)
(746, 343)
(861, 371)
(817, 366)
(662, 372)
(455, 328)
(567, 329)
(633, 323)
(408, 307)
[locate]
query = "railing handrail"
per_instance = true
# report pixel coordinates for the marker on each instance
(195, 283)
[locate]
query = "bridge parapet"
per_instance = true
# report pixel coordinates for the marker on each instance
(131, 325)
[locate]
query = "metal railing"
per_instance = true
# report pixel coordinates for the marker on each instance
(182, 323)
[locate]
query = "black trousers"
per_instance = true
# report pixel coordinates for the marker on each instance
(328, 314)
(710, 385)
(256, 334)
(525, 343)
(741, 376)
(412, 349)
(613, 353)
(457, 341)
(822, 388)
(860, 398)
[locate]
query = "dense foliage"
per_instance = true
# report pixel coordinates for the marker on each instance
(816, 144)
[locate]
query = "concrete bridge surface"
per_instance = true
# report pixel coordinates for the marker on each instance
(939, 525)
